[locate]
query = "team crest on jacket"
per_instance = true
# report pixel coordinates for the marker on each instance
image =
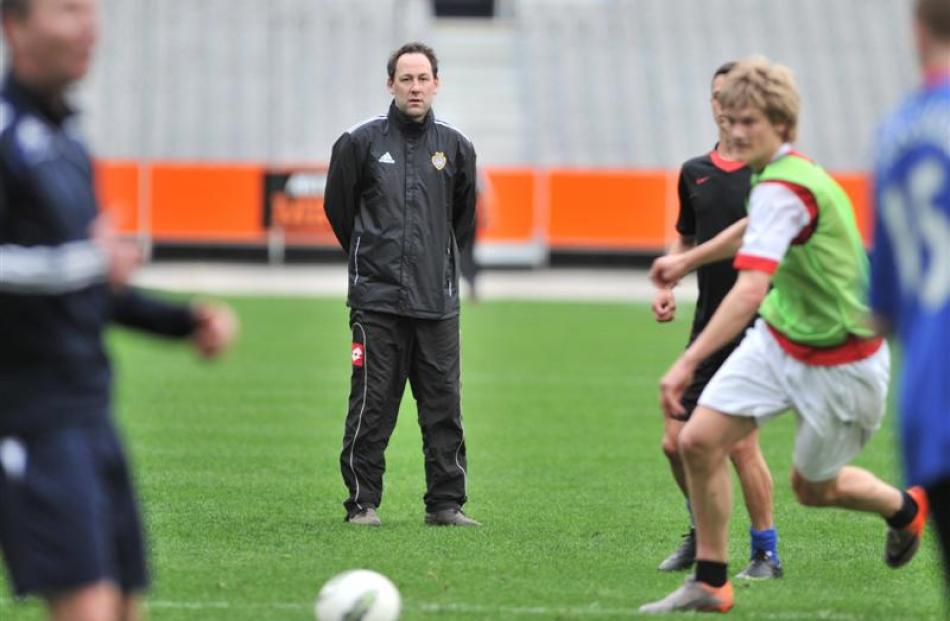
(438, 160)
(358, 354)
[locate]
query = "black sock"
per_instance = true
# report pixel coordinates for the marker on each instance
(905, 515)
(712, 573)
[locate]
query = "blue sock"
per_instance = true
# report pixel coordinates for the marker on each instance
(689, 510)
(764, 541)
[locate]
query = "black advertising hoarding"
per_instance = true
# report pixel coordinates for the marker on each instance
(293, 206)
(464, 8)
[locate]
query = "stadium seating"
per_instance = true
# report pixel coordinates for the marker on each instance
(616, 83)
(273, 81)
(572, 104)
(622, 83)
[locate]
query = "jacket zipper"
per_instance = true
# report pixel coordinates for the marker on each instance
(356, 260)
(448, 252)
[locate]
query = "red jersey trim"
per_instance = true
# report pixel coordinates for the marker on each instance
(852, 350)
(752, 262)
(801, 155)
(805, 196)
(723, 164)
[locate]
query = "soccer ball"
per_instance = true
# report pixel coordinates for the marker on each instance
(358, 595)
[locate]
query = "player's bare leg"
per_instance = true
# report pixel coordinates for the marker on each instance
(854, 488)
(705, 443)
(132, 608)
(859, 490)
(755, 479)
(671, 448)
(684, 555)
(757, 490)
(98, 602)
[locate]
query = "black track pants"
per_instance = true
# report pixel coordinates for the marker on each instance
(388, 350)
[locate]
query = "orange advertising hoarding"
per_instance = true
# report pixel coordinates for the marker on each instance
(118, 187)
(210, 202)
(608, 210)
(565, 209)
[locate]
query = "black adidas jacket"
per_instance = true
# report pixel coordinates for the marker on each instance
(400, 196)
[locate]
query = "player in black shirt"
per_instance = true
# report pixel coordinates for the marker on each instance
(712, 194)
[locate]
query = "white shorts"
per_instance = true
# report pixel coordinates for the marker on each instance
(839, 407)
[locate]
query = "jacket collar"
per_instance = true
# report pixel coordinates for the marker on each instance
(52, 108)
(407, 125)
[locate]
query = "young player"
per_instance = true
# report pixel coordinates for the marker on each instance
(69, 522)
(712, 194)
(910, 267)
(812, 350)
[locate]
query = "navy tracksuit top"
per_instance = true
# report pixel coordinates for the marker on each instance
(55, 302)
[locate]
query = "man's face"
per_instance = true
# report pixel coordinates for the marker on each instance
(413, 86)
(718, 115)
(53, 43)
(754, 138)
(931, 50)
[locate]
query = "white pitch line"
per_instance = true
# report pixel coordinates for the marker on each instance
(499, 612)
(522, 379)
(524, 611)
(226, 605)
(503, 611)
(431, 608)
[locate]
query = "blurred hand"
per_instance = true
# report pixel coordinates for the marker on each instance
(673, 385)
(667, 271)
(664, 305)
(123, 257)
(217, 327)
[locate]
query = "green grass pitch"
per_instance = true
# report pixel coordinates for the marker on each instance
(237, 467)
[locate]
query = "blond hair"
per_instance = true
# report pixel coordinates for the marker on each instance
(765, 85)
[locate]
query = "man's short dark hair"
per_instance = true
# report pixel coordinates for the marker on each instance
(413, 48)
(724, 69)
(934, 15)
(18, 8)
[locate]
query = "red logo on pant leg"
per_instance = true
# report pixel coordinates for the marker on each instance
(358, 354)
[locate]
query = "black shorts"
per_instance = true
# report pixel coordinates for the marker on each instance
(704, 373)
(939, 495)
(68, 515)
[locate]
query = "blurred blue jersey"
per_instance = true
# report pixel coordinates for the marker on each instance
(910, 262)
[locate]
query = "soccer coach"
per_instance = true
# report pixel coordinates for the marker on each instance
(400, 196)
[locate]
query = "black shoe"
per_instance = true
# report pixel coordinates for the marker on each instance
(902, 543)
(763, 566)
(684, 556)
(450, 517)
(367, 517)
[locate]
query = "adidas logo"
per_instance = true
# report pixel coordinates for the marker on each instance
(386, 158)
